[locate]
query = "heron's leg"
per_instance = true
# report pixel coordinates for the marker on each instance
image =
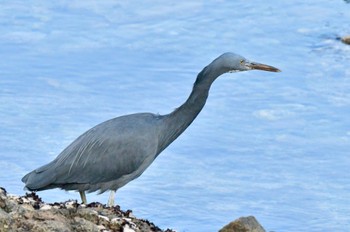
(111, 199)
(83, 197)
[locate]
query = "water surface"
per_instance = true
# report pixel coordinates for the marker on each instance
(270, 145)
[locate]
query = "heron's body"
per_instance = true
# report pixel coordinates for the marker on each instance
(113, 153)
(114, 139)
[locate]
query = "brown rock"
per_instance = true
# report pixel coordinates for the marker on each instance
(243, 224)
(346, 39)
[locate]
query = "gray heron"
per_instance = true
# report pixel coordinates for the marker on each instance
(115, 152)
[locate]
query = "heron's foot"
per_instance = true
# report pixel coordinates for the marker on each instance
(111, 199)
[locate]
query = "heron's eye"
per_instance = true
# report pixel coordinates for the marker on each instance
(241, 61)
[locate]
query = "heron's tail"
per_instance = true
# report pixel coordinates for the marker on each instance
(39, 179)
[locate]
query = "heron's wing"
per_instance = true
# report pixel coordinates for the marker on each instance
(107, 152)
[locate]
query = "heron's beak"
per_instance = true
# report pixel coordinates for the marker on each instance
(264, 67)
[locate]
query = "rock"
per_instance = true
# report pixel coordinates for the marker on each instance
(30, 213)
(81, 224)
(71, 204)
(127, 228)
(346, 39)
(243, 224)
(46, 207)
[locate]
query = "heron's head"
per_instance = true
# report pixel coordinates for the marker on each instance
(231, 62)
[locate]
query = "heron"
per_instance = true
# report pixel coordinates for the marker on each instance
(117, 151)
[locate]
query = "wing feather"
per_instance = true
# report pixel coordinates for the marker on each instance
(108, 151)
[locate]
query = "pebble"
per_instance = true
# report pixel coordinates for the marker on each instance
(82, 206)
(94, 212)
(3, 191)
(102, 228)
(132, 225)
(46, 207)
(28, 207)
(14, 197)
(131, 215)
(56, 206)
(71, 204)
(104, 218)
(127, 228)
(26, 201)
(117, 221)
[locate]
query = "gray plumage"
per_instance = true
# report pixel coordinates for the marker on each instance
(113, 153)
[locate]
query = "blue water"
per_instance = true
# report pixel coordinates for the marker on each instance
(272, 145)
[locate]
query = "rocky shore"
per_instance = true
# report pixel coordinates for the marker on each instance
(30, 213)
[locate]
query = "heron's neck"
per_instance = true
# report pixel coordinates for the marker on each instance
(176, 122)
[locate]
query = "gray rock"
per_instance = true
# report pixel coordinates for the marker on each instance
(243, 224)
